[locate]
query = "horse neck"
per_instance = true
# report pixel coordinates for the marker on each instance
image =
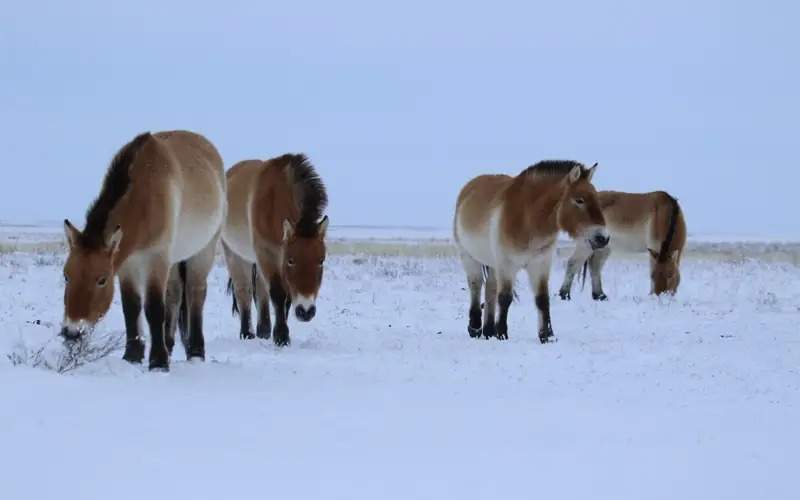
(539, 200)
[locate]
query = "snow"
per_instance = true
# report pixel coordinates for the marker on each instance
(384, 395)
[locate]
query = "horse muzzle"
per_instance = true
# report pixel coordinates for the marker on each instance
(72, 331)
(599, 239)
(305, 313)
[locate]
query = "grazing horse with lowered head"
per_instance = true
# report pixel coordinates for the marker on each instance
(274, 241)
(504, 224)
(651, 221)
(155, 226)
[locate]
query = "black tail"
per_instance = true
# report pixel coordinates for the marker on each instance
(183, 314)
(235, 305)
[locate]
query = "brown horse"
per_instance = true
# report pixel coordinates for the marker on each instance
(652, 221)
(274, 241)
(156, 221)
(504, 224)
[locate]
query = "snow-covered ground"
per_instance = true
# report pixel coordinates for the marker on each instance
(384, 395)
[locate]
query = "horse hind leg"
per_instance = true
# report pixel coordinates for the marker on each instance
(574, 264)
(475, 279)
(490, 303)
(596, 263)
(195, 290)
(241, 286)
(173, 303)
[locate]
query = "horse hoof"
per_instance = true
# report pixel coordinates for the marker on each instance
(246, 336)
(196, 356)
(565, 295)
(474, 332)
(134, 351)
(263, 333)
(159, 368)
(502, 336)
(600, 297)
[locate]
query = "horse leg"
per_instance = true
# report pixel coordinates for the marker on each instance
(574, 264)
(155, 312)
(474, 272)
(197, 269)
(174, 297)
(280, 332)
(240, 271)
(264, 326)
(505, 284)
(490, 304)
(131, 309)
(596, 263)
(538, 275)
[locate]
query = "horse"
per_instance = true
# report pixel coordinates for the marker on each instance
(155, 226)
(274, 241)
(503, 224)
(638, 221)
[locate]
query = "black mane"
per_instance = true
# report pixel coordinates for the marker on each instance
(554, 168)
(664, 254)
(309, 193)
(115, 185)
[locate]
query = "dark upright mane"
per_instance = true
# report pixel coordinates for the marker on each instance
(664, 254)
(309, 193)
(115, 185)
(554, 168)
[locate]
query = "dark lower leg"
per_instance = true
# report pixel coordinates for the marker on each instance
(545, 327)
(264, 326)
(131, 309)
(475, 314)
(154, 311)
(244, 323)
(197, 345)
(280, 332)
(504, 299)
(596, 264)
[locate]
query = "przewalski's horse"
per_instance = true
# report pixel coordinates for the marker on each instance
(157, 220)
(504, 224)
(651, 221)
(274, 241)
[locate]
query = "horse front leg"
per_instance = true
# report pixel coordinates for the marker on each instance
(538, 275)
(155, 312)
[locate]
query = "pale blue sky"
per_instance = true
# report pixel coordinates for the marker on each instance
(399, 105)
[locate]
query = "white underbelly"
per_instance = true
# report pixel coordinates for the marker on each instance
(628, 239)
(239, 239)
(480, 245)
(196, 230)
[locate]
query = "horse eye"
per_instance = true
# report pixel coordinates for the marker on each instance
(290, 262)
(101, 282)
(579, 201)
(66, 278)
(321, 261)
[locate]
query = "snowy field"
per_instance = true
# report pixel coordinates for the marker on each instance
(384, 395)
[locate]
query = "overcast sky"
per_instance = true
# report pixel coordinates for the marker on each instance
(399, 105)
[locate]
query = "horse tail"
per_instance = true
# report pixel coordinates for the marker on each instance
(229, 291)
(183, 312)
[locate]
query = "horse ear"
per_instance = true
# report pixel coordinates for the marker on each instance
(322, 228)
(591, 172)
(288, 229)
(71, 233)
(114, 240)
(574, 174)
(653, 253)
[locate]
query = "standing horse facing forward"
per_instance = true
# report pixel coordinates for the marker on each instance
(651, 221)
(504, 224)
(156, 222)
(274, 241)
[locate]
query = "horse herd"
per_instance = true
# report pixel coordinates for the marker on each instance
(166, 202)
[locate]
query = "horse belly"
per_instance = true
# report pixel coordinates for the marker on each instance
(238, 238)
(628, 238)
(196, 228)
(478, 244)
